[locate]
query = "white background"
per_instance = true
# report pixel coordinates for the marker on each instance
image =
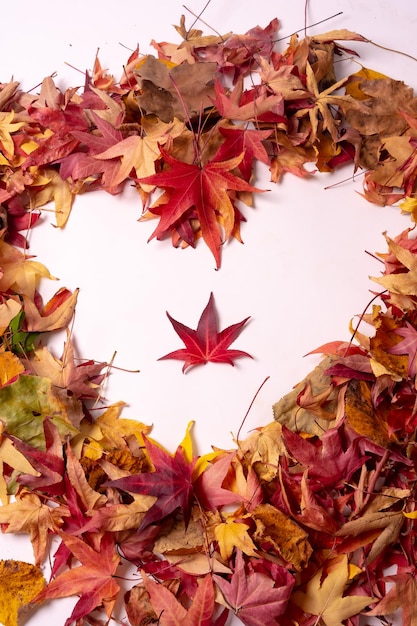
(301, 274)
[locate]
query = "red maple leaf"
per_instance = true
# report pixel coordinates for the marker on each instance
(204, 188)
(94, 580)
(171, 483)
(164, 602)
(206, 343)
(240, 140)
(257, 598)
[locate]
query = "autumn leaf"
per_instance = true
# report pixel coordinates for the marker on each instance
(208, 485)
(19, 271)
(11, 456)
(140, 152)
(253, 596)
(173, 613)
(19, 583)
(7, 128)
(387, 525)
(28, 514)
(50, 467)
(403, 283)
(56, 314)
(402, 595)
(10, 367)
(170, 482)
(325, 594)
(182, 91)
(26, 403)
(94, 580)
(241, 140)
(243, 106)
(320, 114)
(206, 343)
(83, 378)
(298, 418)
(286, 537)
(202, 187)
(232, 534)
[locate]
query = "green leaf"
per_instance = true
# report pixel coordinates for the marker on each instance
(26, 403)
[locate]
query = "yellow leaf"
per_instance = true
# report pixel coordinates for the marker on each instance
(409, 205)
(114, 429)
(19, 583)
(10, 367)
(232, 534)
(187, 443)
(353, 88)
(7, 126)
(8, 310)
(59, 191)
(324, 594)
(19, 272)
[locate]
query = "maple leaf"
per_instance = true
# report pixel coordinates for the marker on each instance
(49, 464)
(173, 613)
(403, 594)
(204, 188)
(324, 594)
(29, 515)
(94, 580)
(206, 343)
(247, 106)
(7, 127)
(19, 272)
(171, 482)
(253, 595)
(242, 140)
(325, 459)
(320, 113)
(83, 380)
(26, 403)
(233, 534)
(139, 153)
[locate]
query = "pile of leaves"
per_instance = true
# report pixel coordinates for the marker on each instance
(300, 521)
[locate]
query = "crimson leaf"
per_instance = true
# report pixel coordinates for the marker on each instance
(205, 343)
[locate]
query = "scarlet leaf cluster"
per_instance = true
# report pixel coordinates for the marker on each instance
(300, 521)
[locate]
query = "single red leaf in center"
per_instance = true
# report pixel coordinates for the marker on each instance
(206, 343)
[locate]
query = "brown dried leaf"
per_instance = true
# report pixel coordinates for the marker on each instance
(289, 540)
(289, 412)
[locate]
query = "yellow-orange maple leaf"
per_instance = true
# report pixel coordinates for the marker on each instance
(324, 597)
(234, 534)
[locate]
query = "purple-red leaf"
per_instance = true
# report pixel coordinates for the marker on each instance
(171, 483)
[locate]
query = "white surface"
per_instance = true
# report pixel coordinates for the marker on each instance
(301, 274)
